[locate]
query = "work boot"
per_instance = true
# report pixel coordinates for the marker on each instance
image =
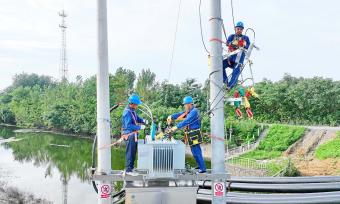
(131, 173)
(201, 171)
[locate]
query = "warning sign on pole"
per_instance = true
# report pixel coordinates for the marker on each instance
(219, 189)
(105, 191)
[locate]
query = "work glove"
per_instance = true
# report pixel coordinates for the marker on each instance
(142, 127)
(173, 129)
(230, 48)
(159, 136)
(146, 122)
(241, 43)
(169, 120)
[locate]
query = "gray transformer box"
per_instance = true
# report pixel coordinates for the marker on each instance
(161, 158)
(161, 195)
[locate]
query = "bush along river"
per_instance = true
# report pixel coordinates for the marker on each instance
(49, 168)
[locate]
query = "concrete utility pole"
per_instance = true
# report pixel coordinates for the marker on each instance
(217, 100)
(103, 112)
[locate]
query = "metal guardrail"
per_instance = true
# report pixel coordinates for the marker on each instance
(236, 151)
(241, 149)
(247, 167)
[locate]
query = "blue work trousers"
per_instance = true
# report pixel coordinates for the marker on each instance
(197, 153)
(130, 153)
(236, 67)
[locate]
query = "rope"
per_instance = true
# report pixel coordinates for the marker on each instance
(224, 32)
(200, 17)
(174, 42)
(211, 136)
(123, 137)
(232, 13)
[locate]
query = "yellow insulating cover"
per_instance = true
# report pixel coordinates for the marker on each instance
(159, 136)
(246, 102)
(252, 92)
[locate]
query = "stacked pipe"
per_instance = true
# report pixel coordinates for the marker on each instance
(283, 190)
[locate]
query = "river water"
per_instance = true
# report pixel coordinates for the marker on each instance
(51, 166)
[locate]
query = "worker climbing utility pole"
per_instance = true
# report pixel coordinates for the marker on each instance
(217, 102)
(103, 112)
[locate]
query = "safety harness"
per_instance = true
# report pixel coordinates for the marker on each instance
(126, 136)
(191, 137)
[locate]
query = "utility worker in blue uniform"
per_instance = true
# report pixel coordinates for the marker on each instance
(235, 62)
(190, 120)
(131, 124)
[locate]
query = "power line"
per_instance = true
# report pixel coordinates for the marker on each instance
(200, 17)
(174, 42)
(232, 13)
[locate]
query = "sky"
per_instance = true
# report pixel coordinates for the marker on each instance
(300, 37)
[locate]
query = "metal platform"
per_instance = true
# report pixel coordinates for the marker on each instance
(180, 175)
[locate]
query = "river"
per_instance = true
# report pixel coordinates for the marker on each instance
(52, 166)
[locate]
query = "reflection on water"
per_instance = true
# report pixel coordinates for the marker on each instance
(54, 167)
(60, 168)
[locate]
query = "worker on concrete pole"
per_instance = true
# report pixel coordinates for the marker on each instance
(191, 122)
(235, 61)
(131, 124)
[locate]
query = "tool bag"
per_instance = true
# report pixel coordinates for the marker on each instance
(194, 137)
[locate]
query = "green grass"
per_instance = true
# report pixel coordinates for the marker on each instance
(330, 149)
(278, 139)
(261, 154)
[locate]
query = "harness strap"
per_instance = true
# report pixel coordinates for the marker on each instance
(126, 136)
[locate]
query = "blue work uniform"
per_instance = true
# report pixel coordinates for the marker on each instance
(192, 122)
(130, 123)
(232, 42)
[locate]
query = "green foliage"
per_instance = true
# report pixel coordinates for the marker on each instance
(261, 154)
(277, 140)
(291, 170)
(121, 84)
(280, 137)
(38, 101)
(243, 131)
(146, 85)
(31, 80)
(330, 149)
(298, 100)
(6, 114)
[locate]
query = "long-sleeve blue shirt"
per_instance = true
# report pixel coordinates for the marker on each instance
(192, 119)
(130, 120)
(234, 37)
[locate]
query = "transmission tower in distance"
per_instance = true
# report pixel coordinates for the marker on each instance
(63, 69)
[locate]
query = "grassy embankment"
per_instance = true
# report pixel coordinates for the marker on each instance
(330, 149)
(270, 150)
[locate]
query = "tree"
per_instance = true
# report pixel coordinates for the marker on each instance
(30, 80)
(146, 84)
(121, 84)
